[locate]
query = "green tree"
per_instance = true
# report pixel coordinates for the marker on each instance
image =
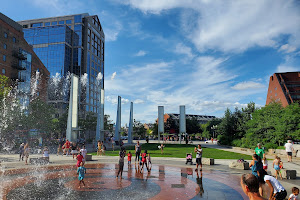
(192, 126)
(139, 129)
(40, 116)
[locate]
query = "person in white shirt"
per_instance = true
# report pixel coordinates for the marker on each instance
(279, 193)
(198, 152)
(83, 153)
(289, 150)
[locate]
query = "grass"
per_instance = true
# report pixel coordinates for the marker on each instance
(180, 150)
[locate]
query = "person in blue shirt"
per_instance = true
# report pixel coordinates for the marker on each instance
(81, 171)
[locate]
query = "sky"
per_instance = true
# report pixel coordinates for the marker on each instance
(208, 55)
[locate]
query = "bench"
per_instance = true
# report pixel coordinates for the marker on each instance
(88, 157)
(208, 161)
(39, 161)
(286, 173)
(239, 165)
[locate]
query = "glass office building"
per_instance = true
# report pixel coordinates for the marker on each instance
(70, 44)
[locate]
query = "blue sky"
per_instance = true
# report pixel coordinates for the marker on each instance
(205, 54)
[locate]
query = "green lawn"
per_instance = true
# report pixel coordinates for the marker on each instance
(180, 150)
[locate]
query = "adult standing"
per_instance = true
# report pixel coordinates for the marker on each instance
(259, 151)
(277, 190)
(138, 149)
(21, 151)
(289, 150)
(198, 152)
(250, 186)
(26, 153)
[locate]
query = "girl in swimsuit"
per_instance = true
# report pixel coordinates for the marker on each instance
(276, 163)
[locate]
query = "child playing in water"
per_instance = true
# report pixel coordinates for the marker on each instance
(276, 166)
(79, 159)
(81, 171)
(295, 193)
(129, 155)
(265, 163)
(121, 161)
(149, 162)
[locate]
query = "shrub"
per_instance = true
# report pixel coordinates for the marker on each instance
(237, 142)
(270, 146)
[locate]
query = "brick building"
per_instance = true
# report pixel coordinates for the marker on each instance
(284, 87)
(19, 62)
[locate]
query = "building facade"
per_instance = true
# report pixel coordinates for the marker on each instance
(19, 62)
(70, 44)
(284, 88)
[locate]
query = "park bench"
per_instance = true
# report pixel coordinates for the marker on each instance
(208, 161)
(286, 173)
(239, 165)
(88, 157)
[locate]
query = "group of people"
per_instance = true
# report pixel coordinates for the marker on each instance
(143, 159)
(24, 152)
(255, 187)
(255, 184)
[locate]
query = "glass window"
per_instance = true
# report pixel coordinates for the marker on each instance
(61, 22)
(4, 46)
(77, 19)
(68, 21)
(53, 23)
(4, 57)
(77, 27)
(36, 24)
(47, 23)
(5, 35)
(3, 71)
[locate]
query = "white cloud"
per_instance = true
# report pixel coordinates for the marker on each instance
(185, 50)
(248, 85)
(138, 101)
(285, 68)
(113, 76)
(113, 99)
(140, 53)
(287, 48)
(112, 30)
(232, 26)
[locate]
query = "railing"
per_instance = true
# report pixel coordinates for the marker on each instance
(19, 55)
(17, 66)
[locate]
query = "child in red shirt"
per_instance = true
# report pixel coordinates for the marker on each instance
(144, 161)
(79, 159)
(129, 155)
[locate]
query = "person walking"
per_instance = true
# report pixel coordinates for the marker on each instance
(250, 186)
(289, 150)
(81, 171)
(259, 151)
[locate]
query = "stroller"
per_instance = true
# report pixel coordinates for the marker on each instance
(189, 158)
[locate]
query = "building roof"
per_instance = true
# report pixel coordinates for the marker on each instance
(11, 22)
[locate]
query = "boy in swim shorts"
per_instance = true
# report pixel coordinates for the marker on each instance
(81, 171)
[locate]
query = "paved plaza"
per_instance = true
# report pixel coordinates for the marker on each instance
(169, 178)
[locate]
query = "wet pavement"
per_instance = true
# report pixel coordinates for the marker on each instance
(162, 182)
